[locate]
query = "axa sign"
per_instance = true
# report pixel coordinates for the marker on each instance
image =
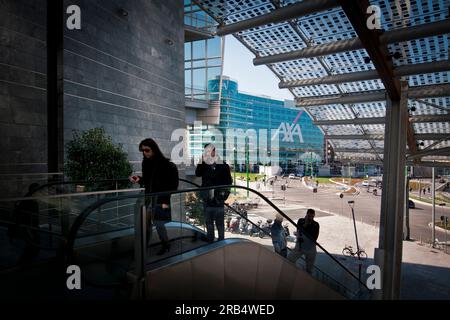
(288, 131)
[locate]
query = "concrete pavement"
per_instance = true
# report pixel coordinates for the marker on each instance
(425, 270)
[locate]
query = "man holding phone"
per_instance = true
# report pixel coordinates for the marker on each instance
(307, 234)
(214, 173)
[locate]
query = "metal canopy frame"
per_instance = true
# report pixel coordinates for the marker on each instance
(323, 53)
(405, 34)
(401, 71)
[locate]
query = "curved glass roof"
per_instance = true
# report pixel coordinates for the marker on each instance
(333, 25)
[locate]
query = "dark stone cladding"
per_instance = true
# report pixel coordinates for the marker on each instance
(120, 73)
(23, 100)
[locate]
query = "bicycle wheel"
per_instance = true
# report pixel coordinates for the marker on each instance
(347, 252)
(363, 255)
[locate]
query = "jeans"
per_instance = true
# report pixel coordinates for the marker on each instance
(310, 257)
(160, 229)
(214, 214)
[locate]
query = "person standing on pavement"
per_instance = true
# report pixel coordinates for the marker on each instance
(214, 173)
(307, 234)
(278, 234)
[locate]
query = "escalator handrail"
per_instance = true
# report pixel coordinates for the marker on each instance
(54, 183)
(30, 194)
(229, 207)
(87, 211)
(268, 233)
(284, 215)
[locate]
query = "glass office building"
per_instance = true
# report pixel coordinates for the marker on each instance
(293, 142)
(203, 56)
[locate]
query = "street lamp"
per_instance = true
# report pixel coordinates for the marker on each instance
(234, 171)
(246, 166)
(351, 204)
(444, 220)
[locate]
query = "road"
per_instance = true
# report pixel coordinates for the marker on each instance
(366, 207)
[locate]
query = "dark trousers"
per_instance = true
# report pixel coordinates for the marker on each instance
(214, 215)
(157, 219)
(160, 229)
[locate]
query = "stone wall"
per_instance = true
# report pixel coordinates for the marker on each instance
(126, 73)
(123, 73)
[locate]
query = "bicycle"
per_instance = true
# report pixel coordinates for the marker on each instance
(438, 245)
(348, 252)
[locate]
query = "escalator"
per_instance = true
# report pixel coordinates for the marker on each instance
(106, 241)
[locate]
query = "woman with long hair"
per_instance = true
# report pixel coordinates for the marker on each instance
(158, 174)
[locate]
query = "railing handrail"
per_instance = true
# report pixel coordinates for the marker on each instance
(88, 210)
(268, 233)
(29, 197)
(70, 195)
(53, 183)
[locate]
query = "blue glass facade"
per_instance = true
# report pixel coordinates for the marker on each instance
(299, 141)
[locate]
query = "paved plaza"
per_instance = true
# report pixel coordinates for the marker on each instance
(425, 270)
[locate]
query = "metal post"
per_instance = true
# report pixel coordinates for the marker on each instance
(351, 203)
(388, 255)
(117, 203)
(140, 249)
(446, 235)
(99, 213)
(420, 190)
(356, 233)
(446, 226)
(234, 174)
(433, 209)
(246, 167)
(407, 233)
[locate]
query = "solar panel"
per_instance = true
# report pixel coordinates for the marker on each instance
(333, 25)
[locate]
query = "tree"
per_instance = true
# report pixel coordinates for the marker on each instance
(91, 156)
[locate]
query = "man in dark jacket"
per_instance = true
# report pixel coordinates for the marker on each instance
(307, 234)
(214, 174)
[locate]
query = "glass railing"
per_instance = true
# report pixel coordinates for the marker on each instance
(72, 186)
(110, 239)
(51, 220)
(36, 226)
(249, 228)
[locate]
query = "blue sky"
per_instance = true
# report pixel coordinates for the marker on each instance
(238, 65)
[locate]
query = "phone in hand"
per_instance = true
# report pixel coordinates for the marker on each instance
(134, 179)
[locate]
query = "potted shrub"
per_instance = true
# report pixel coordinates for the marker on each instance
(92, 156)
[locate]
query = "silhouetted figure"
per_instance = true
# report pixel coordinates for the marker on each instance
(158, 175)
(278, 234)
(307, 234)
(213, 174)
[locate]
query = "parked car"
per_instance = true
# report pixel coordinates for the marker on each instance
(365, 183)
(441, 180)
(292, 176)
(411, 204)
